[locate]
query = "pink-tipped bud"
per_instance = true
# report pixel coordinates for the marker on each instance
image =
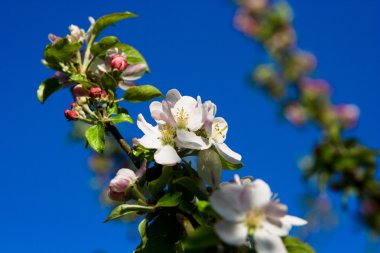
(72, 105)
(119, 184)
(95, 92)
(119, 62)
(71, 115)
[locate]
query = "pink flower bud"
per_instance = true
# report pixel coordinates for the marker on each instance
(104, 94)
(53, 38)
(72, 105)
(119, 62)
(315, 86)
(78, 91)
(95, 92)
(71, 115)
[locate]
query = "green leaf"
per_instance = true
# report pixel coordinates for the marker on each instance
(125, 209)
(103, 45)
(108, 20)
(112, 108)
(170, 200)
(159, 184)
(95, 137)
(201, 238)
(294, 245)
(142, 230)
(192, 186)
(60, 52)
(48, 87)
(82, 80)
(122, 117)
(133, 55)
(141, 93)
(108, 82)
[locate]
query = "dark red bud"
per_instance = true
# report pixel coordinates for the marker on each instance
(72, 105)
(71, 115)
(95, 92)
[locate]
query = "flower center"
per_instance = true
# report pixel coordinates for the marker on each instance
(253, 219)
(182, 118)
(219, 131)
(167, 135)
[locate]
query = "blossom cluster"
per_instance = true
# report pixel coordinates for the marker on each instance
(305, 99)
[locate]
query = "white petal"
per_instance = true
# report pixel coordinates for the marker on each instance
(232, 233)
(195, 121)
(267, 243)
(147, 128)
(227, 153)
(167, 114)
(294, 221)
(172, 96)
(125, 85)
(274, 229)
(167, 156)
(190, 140)
(256, 195)
(157, 112)
(149, 141)
(134, 71)
(226, 202)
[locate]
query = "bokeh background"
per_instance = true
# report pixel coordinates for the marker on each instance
(47, 204)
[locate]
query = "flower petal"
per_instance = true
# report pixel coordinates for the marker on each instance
(268, 243)
(147, 128)
(226, 202)
(232, 233)
(149, 141)
(256, 195)
(134, 71)
(219, 130)
(293, 220)
(227, 153)
(167, 156)
(190, 140)
(157, 112)
(125, 85)
(172, 96)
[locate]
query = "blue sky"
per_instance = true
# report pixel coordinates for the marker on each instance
(46, 202)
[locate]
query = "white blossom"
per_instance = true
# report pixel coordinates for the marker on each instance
(247, 209)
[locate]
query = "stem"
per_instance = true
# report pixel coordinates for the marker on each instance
(119, 138)
(87, 55)
(119, 100)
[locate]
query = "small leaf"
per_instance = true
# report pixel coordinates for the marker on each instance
(82, 80)
(95, 137)
(103, 45)
(112, 108)
(142, 230)
(48, 87)
(159, 184)
(192, 186)
(108, 20)
(60, 52)
(122, 117)
(201, 238)
(141, 93)
(170, 200)
(294, 245)
(125, 209)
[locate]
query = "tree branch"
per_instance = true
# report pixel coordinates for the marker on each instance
(119, 138)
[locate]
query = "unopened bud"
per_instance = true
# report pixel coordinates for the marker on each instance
(104, 94)
(72, 105)
(119, 62)
(78, 91)
(348, 114)
(296, 114)
(95, 92)
(71, 115)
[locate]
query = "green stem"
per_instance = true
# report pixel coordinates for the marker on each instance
(87, 55)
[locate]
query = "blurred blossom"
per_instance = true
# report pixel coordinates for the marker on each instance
(255, 5)
(245, 23)
(286, 39)
(348, 114)
(296, 114)
(315, 86)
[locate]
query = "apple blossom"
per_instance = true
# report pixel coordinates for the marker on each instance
(247, 209)
(348, 114)
(119, 62)
(95, 92)
(161, 138)
(76, 34)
